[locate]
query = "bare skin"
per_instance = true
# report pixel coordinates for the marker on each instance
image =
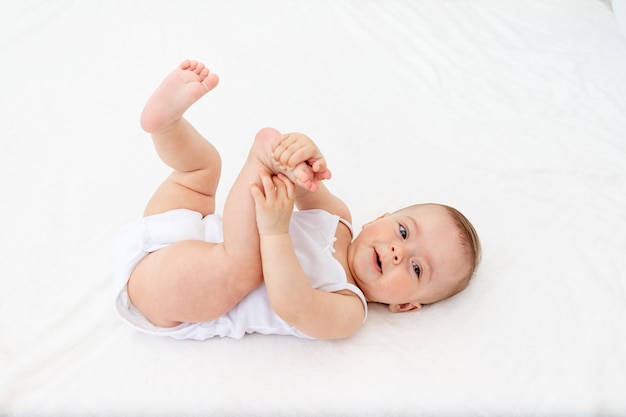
(194, 281)
(402, 259)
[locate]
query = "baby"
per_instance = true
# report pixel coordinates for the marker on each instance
(186, 272)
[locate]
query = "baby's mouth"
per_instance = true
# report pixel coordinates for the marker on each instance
(376, 261)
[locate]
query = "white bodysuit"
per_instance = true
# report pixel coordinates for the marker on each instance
(312, 233)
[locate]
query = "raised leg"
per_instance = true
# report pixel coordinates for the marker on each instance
(195, 162)
(194, 281)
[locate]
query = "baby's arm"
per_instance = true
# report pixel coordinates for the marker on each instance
(317, 313)
(301, 159)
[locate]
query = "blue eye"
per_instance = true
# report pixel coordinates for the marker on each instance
(403, 232)
(416, 269)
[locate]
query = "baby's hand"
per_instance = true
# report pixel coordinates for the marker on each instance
(301, 160)
(274, 203)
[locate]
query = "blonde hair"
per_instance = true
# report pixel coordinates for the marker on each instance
(470, 242)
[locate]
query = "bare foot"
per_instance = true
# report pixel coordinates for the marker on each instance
(303, 174)
(178, 91)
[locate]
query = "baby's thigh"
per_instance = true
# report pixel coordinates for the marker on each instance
(181, 190)
(189, 281)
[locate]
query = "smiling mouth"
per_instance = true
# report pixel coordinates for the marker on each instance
(377, 263)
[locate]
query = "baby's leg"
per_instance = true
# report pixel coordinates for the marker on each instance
(194, 281)
(195, 162)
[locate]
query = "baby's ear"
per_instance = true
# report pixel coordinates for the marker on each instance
(401, 308)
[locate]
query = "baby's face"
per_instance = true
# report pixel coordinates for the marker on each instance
(409, 258)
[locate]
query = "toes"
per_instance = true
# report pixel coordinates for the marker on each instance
(210, 81)
(199, 68)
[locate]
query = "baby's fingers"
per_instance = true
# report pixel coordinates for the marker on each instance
(279, 146)
(269, 187)
(285, 185)
(283, 141)
(282, 192)
(319, 165)
(284, 154)
(291, 149)
(257, 194)
(265, 191)
(323, 175)
(277, 142)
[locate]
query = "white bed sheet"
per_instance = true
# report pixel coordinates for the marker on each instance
(512, 111)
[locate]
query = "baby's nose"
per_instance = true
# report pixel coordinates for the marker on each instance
(396, 252)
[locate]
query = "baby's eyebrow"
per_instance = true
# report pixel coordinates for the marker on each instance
(413, 222)
(431, 267)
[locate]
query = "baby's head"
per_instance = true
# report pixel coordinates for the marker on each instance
(417, 255)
